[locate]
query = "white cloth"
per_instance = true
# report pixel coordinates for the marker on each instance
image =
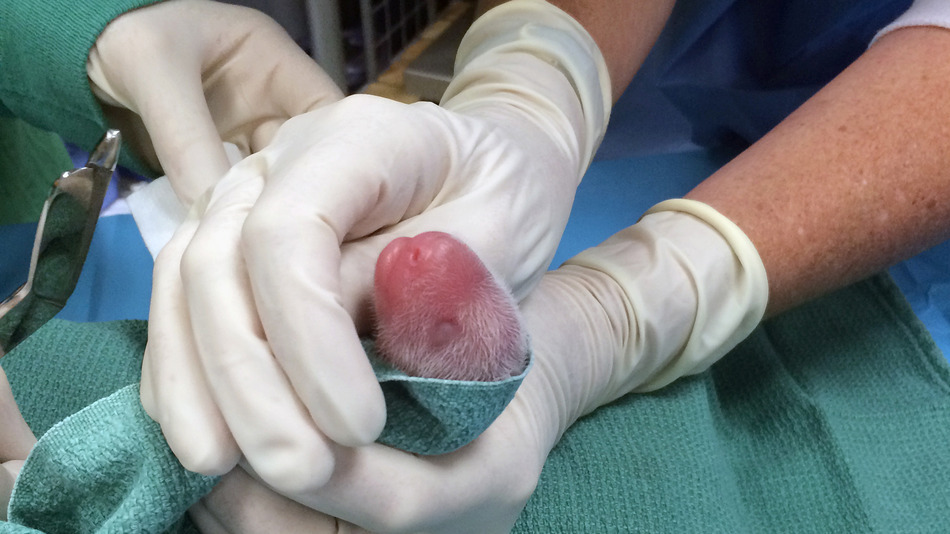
(157, 210)
(157, 213)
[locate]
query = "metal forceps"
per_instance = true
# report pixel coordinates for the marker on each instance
(62, 240)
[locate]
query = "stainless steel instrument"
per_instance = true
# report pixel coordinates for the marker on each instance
(62, 241)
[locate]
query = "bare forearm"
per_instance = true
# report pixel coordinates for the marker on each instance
(16, 440)
(856, 179)
(624, 31)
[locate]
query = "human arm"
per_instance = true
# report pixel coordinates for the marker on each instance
(624, 31)
(853, 181)
(16, 440)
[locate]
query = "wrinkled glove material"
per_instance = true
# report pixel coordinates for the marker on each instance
(539, 30)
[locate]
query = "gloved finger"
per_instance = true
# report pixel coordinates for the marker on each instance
(184, 135)
(320, 165)
(383, 489)
(272, 428)
(188, 121)
(239, 504)
(293, 84)
(504, 217)
(206, 521)
(357, 268)
(178, 123)
(174, 389)
(316, 197)
(8, 474)
(16, 438)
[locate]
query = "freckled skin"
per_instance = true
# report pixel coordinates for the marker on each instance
(440, 313)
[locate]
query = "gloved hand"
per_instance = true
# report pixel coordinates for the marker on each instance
(16, 440)
(664, 298)
(252, 346)
(179, 77)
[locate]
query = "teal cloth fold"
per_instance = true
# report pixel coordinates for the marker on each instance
(118, 474)
(436, 416)
(834, 417)
(101, 469)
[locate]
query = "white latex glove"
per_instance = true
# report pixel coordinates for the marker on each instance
(241, 505)
(664, 298)
(182, 76)
(252, 346)
(16, 440)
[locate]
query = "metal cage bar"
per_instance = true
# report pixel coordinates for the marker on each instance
(390, 25)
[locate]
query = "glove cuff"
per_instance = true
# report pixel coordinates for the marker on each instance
(723, 318)
(535, 28)
(694, 287)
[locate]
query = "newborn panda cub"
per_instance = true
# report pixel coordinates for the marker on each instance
(440, 313)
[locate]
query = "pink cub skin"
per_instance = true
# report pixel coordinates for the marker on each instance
(440, 313)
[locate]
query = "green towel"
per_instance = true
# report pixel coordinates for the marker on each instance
(424, 415)
(834, 417)
(43, 50)
(119, 473)
(436, 416)
(30, 160)
(119, 465)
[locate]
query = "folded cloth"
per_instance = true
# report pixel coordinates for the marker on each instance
(107, 468)
(832, 417)
(434, 415)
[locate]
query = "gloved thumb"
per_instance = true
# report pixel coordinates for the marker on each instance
(168, 124)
